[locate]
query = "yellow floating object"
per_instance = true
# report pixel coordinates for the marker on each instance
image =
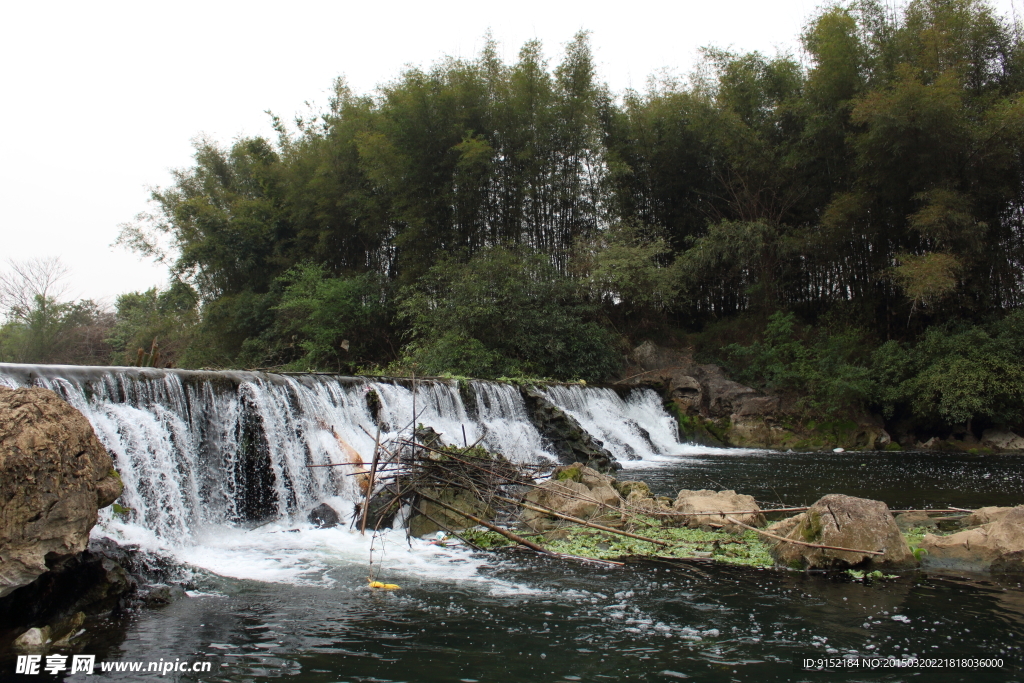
(385, 586)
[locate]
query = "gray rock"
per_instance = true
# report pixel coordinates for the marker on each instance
(996, 547)
(577, 491)
(97, 581)
(1003, 439)
(324, 516)
(721, 502)
(985, 515)
(427, 514)
(844, 522)
(915, 520)
(54, 476)
(33, 640)
(159, 596)
(567, 438)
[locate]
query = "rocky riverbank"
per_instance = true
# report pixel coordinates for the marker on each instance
(714, 410)
(583, 513)
(55, 476)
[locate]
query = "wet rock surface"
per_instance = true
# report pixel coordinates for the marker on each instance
(324, 516)
(985, 515)
(569, 441)
(715, 410)
(429, 517)
(577, 491)
(1002, 439)
(996, 547)
(54, 477)
(740, 507)
(915, 520)
(844, 522)
(96, 581)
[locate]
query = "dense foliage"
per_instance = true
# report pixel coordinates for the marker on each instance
(488, 218)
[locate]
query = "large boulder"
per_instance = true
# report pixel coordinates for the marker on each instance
(101, 579)
(577, 491)
(695, 388)
(324, 516)
(428, 517)
(714, 410)
(996, 547)
(1002, 439)
(738, 506)
(54, 477)
(843, 522)
(985, 515)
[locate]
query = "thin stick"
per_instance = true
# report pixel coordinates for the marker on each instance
(473, 518)
(465, 441)
(647, 372)
(414, 414)
(369, 488)
(453, 533)
(731, 512)
(577, 520)
(809, 545)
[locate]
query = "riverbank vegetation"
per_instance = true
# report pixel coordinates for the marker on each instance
(842, 225)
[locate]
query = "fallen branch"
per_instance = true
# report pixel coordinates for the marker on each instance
(731, 512)
(899, 512)
(468, 542)
(809, 545)
(577, 520)
(369, 487)
(496, 529)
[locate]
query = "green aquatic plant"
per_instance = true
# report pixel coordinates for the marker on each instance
(861, 575)
(485, 539)
(746, 549)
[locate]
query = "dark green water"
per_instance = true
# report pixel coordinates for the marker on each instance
(517, 617)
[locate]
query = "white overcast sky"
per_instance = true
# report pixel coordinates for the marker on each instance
(102, 99)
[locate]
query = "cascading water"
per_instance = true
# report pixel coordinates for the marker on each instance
(199, 449)
(216, 477)
(634, 428)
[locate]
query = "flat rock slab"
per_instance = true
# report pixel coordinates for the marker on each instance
(996, 547)
(742, 508)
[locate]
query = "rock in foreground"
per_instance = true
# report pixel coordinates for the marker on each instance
(844, 522)
(54, 476)
(996, 547)
(738, 506)
(578, 491)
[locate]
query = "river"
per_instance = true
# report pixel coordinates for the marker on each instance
(288, 601)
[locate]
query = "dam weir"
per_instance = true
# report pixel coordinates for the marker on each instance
(208, 448)
(214, 465)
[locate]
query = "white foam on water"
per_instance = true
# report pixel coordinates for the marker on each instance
(202, 454)
(635, 429)
(506, 426)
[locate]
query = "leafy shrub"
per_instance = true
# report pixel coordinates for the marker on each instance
(825, 372)
(505, 313)
(331, 323)
(956, 373)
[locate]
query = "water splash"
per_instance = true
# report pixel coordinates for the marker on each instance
(200, 449)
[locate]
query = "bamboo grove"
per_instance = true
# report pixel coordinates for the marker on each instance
(496, 218)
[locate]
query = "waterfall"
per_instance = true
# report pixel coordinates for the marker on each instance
(634, 428)
(200, 449)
